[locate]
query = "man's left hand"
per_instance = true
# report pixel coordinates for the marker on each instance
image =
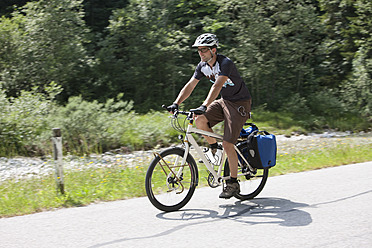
(199, 111)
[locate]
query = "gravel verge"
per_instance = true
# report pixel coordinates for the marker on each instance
(24, 167)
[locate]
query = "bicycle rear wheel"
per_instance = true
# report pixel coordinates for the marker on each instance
(169, 183)
(253, 183)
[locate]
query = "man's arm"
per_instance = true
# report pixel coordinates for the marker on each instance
(215, 90)
(186, 90)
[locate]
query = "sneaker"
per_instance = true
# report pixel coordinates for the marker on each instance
(208, 153)
(217, 154)
(230, 189)
(214, 155)
(217, 150)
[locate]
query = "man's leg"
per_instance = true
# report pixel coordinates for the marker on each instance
(232, 185)
(233, 158)
(202, 123)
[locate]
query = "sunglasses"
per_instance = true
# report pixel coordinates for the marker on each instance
(203, 50)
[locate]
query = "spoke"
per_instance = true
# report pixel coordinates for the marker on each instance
(174, 174)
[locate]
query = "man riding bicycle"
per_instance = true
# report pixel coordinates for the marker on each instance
(233, 107)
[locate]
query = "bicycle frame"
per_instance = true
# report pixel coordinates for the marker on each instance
(189, 139)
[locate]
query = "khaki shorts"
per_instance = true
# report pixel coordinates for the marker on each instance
(234, 115)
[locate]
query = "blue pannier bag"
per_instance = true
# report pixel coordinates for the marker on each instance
(245, 132)
(261, 152)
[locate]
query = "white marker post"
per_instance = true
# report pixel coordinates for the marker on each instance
(57, 145)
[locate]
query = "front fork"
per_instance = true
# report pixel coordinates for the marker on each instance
(173, 178)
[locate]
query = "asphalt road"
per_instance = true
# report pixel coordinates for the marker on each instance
(323, 208)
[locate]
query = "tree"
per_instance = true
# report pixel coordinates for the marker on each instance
(339, 43)
(98, 12)
(277, 47)
(7, 6)
(50, 47)
(147, 52)
(357, 90)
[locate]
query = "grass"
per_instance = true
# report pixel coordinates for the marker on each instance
(322, 158)
(117, 181)
(82, 188)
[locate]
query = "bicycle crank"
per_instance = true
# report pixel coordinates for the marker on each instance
(212, 182)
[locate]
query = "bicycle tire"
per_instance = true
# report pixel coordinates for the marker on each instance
(250, 186)
(166, 191)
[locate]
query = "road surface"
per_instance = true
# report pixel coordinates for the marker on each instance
(323, 208)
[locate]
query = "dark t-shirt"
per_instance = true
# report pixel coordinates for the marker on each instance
(234, 88)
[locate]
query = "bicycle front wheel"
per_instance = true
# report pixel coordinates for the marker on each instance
(252, 183)
(169, 183)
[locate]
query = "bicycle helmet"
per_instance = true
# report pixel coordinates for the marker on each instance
(207, 39)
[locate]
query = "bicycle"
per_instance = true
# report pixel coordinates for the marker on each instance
(173, 176)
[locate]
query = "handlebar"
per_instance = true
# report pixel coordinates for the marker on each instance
(176, 122)
(189, 114)
(190, 117)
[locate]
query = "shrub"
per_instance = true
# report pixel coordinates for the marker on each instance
(297, 106)
(90, 126)
(22, 119)
(325, 103)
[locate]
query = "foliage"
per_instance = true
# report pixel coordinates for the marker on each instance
(7, 6)
(277, 47)
(93, 127)
(22, 120)
(282, 48)
(146, 47)
(357, 91)
(87, 127)
(48, 46)
(348, 44)
(309, 61)
(85, 124)
(97, 12)
(339, 42)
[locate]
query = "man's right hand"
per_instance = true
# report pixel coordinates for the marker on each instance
(172, 108)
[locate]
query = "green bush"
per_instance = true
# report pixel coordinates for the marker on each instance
(93, 127)
(146, 131)
(90, 126)
(26, 123)
(296, 106)
(22, 120)
(325, 103)
(87, 127)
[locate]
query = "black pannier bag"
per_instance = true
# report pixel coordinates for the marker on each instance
(261, 150)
